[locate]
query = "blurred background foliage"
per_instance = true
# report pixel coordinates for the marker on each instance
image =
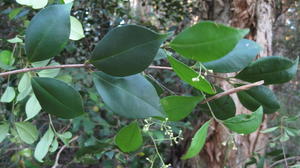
(97, 128)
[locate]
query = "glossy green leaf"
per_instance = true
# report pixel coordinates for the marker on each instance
(3, 131)
(131, 97)
(126, 50)
(259, 96)
(8, 95)
(240, 57)
(27, 132)
(272, 70)
(57, 98)
(245, 123)
(32, 107)
(43, 145)
(223, 107)
(187, 74)
(129, 138)
(198, 142)
(76, 29)
(179, 107)
(207, 41)
(48, 32)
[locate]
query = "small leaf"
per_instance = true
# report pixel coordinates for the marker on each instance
(27, 132)
(8, 95)
(131, 97)
(207, 41)
(292, 131)
(24, 87)
(129, 138)
(57, 98)
(3, 131)
(40, 63)
(259, 96)
(43, 145)
(32, 107)
(15, 40)
(198, 142)
(50, 73)
(127, 50)
(6, 60)
(54, 146)
(35, 4)
(240, 57)
(187, 74)
(245, 123)
(48, 32)
(76, 29)
(161, 54)
(179, 107)
(271, 69)
(268, 130)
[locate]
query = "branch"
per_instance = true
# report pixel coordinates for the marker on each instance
(56, 164)
(231, 91)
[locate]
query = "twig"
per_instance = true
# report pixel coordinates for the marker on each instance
(231, 91)
(56, 164)
(284, 160)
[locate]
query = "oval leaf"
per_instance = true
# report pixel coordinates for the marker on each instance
(198, 142)
(43, 145)
(187, 74)
(259, 96)
(245, 123)
(27, 132)
(272, 70)
(207, 41)
(57, 97)
(8, 95)
(131, 97)
(32, 107)
(48, 32)
(3, 131)
(240, 57)
(129, 138)
(179, 107)
(76, 29)
(126, 50)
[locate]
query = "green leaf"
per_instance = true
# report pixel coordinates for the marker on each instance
(8, 95)
(51, 73)
(35, 4)
(161, 54)
(40, 63)
(91, 149)
(259, 96)
(240, 57)
(6, 60)
(179, 107)
(245, 123)
(54, 145)
(48, 32)
(43, 145)
(15, 40)
(3, 131)
(156, 84)
(129, 138)
(187, 74)
(24, 87)
(207, 41)
(131, 97)
(27, 132)
(32, 107)
(126, 50)
(268, 130)
(198, 142)
(223, 107)
(76, 29)
(14, 12)
(57, 98)
(272, 69)
(65, 137)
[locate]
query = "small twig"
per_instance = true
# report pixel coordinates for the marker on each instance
(56, 164)
(231, 91)
(284, 160)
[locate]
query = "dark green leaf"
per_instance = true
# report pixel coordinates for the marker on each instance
(131, 97)
(223, 107)
(259, 96)
(48, 32)
(57, 97)
(156, 85)
(198, 142)
(27, 132)
(129, 138)
(245, 123)
(240, 57)
(272, 70)
(126, 50)
(207, 41)
(187, 74)
(179, 107)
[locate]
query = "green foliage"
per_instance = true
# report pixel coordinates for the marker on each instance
(127, 50)
(129, 138)
(3, 131)
(76, 29)
(27, 132)
(207, 41)
(57, 97)
(9, 95)
(43, 145)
